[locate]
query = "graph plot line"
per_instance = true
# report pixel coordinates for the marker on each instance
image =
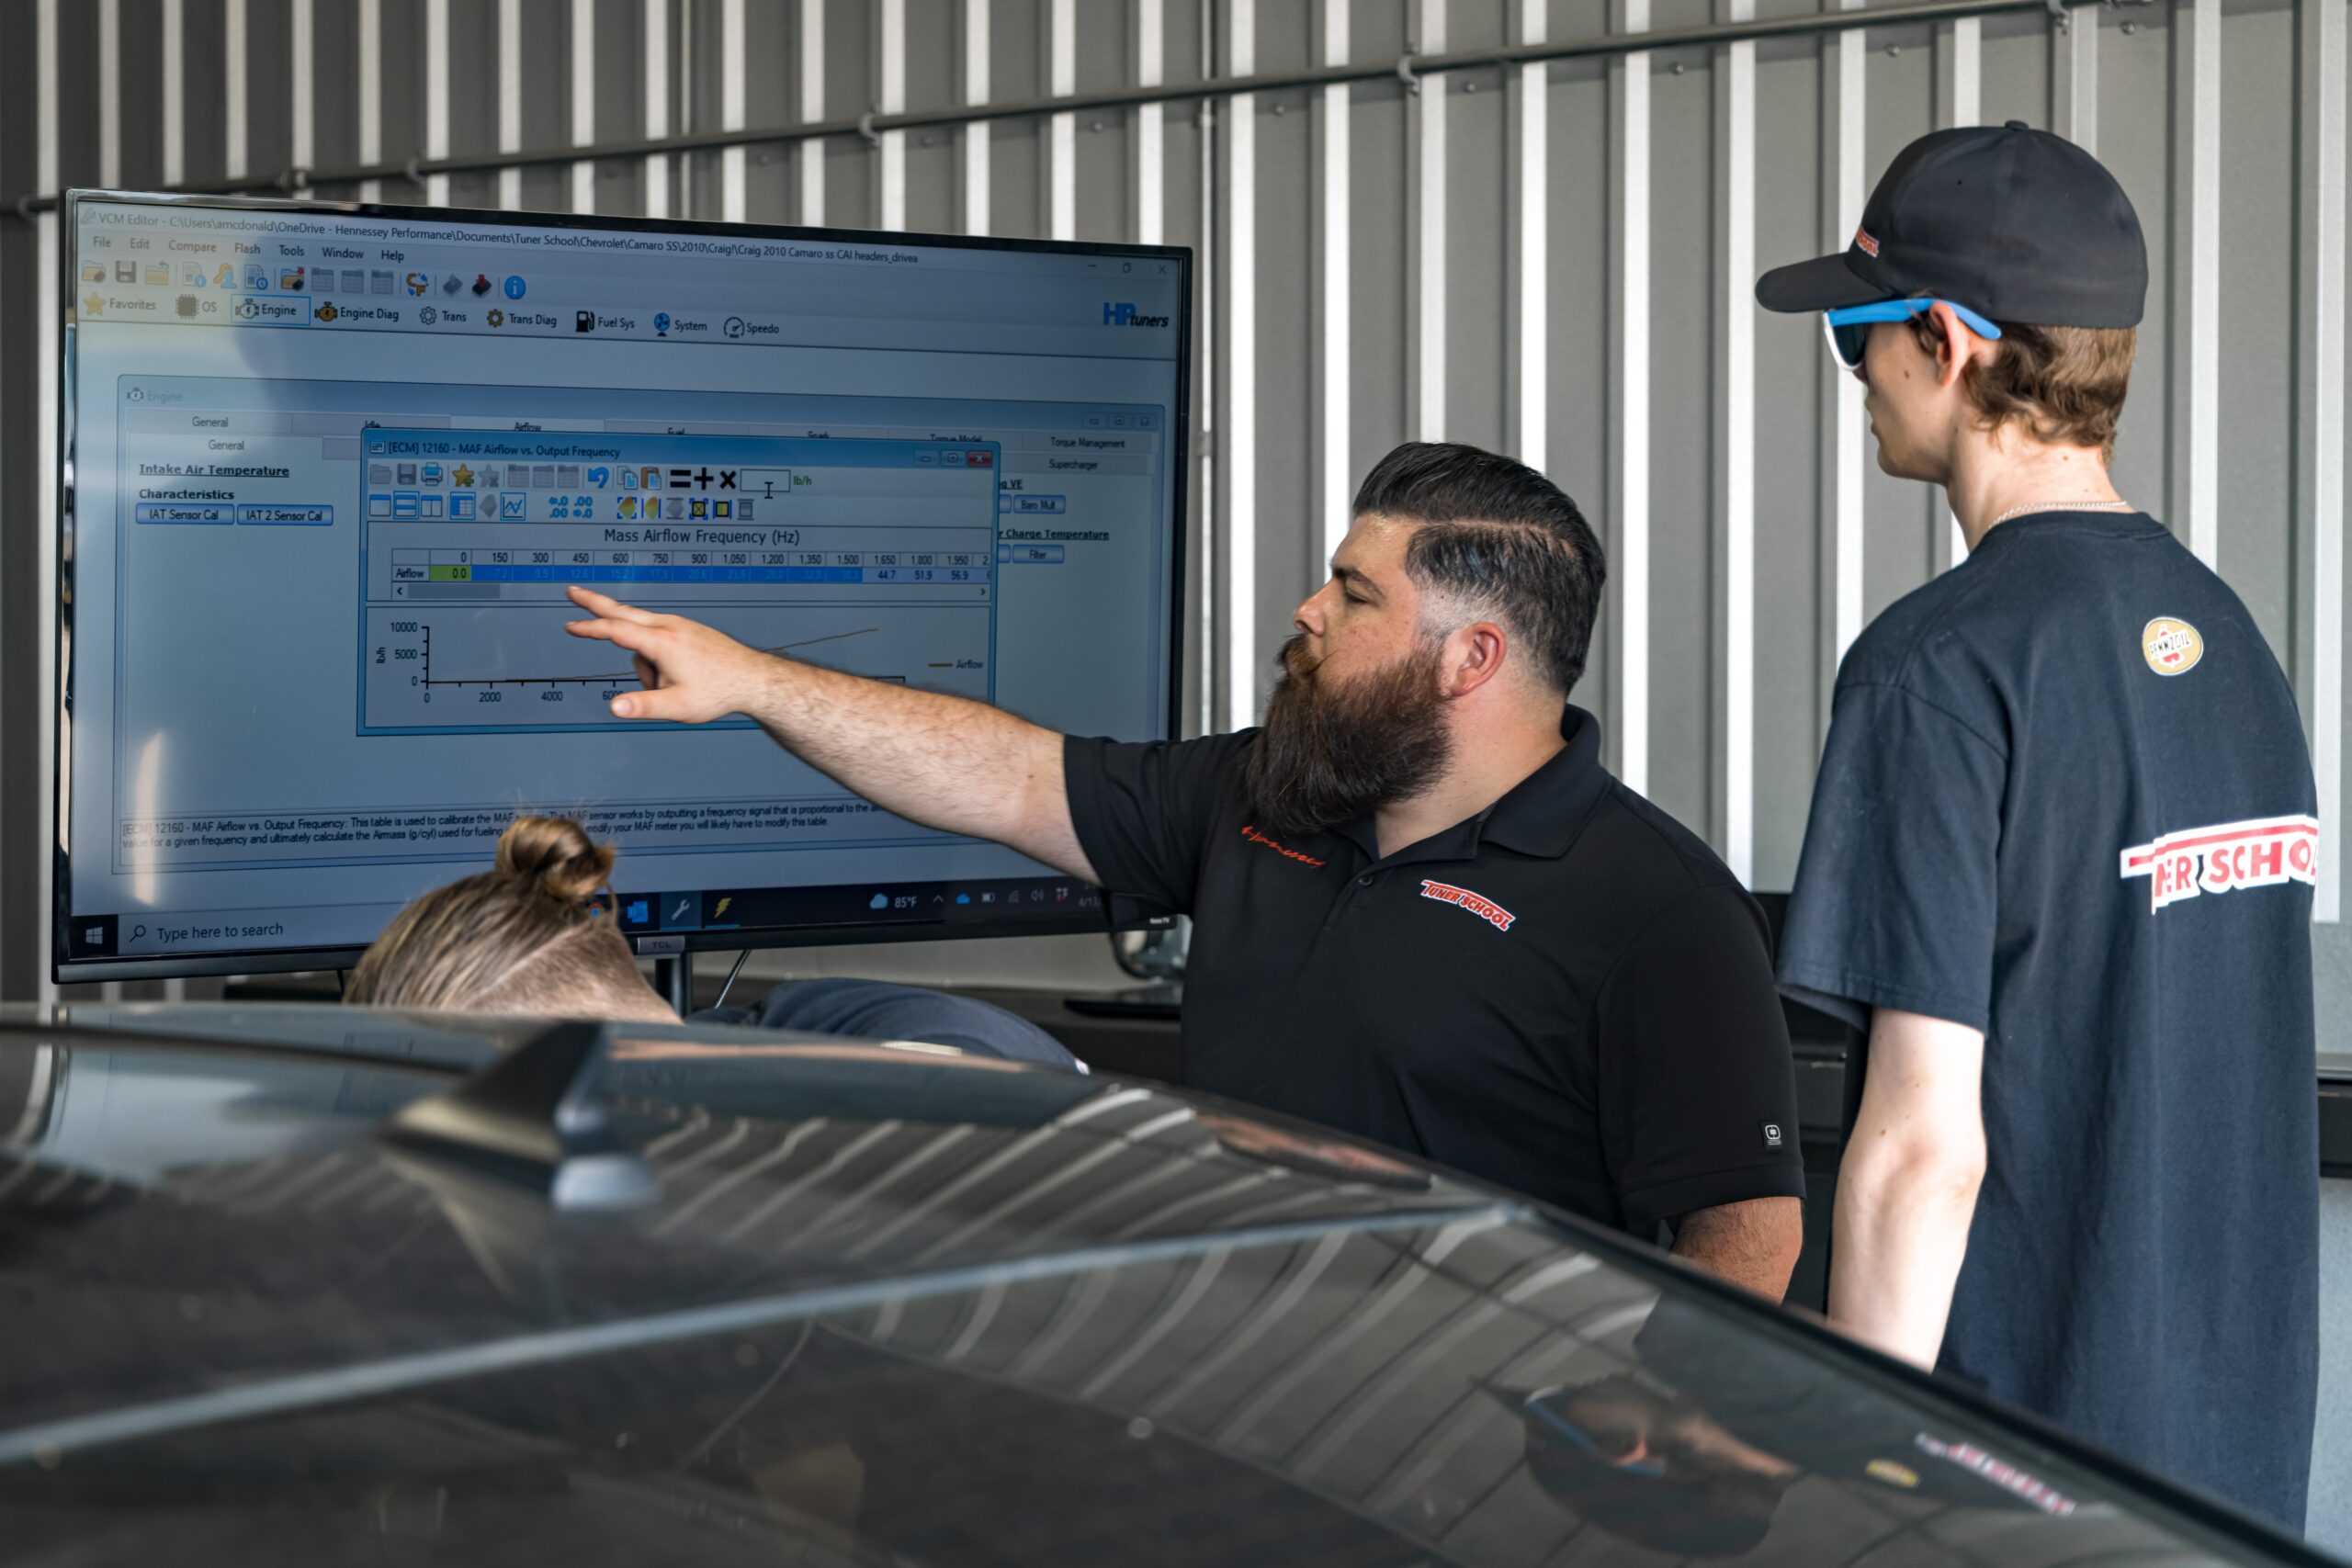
(429, 679)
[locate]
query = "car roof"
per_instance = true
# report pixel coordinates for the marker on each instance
(1037, 1315)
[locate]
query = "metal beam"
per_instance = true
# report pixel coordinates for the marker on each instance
(1599, 46)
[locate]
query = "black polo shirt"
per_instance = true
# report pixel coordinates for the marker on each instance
(1567, 995)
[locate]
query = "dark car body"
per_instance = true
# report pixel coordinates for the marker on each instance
(884, 1305)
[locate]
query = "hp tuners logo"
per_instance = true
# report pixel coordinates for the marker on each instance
(1125, 315)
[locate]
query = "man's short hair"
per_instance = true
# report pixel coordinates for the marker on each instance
(1501, 542)
(2065, 385)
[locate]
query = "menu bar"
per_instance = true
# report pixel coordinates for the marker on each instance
(200, 267)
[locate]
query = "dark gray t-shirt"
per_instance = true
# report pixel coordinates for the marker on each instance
(2066, 800)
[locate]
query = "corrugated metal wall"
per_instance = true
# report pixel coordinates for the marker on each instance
(1553, 259)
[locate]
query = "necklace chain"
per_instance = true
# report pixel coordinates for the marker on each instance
(2060, 506)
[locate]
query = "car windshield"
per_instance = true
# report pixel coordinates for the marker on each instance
(892, 1309)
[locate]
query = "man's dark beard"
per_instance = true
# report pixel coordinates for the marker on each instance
(1333, 752)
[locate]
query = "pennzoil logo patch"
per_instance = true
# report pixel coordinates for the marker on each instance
(2262, 852)
(1486, 909)
(2170, 647)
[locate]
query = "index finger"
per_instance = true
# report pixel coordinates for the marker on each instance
(609, 608)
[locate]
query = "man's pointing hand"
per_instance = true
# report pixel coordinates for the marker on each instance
(690, 674)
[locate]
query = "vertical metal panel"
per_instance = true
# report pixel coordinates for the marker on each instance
(2198, 121)
(399, 62)
(1581, 286)
(976, 39)
(1966, 42)
(2256, 371)
(236, 98)
(1480, 303)
(110, 94)
(437, 96)
(2078, 44)
(690, 95)
(303, 46)
(1017, 194)
(1103, 172)
(618, 81)
(1152, 120)
(890, 49)
(1239, 427)
(812, 107)
(1334, 242)
(2016, 61)
(731, 67)
(175, 50)
(1852, 130)
(770, 92)
(469, 107)
(1430, 233)
(541, 96)
(1633, 573)
(46, 168)
(336, 60)
(934, 161)
(1795, 397)
(1061, 138)
(653, 98)
(2320, 491)
(1202, 218)
(510, 97)
(1963, 42)
(1189, 218)
(1737, 142)
(582, 175)
(269, 76)
(2135, 115)
(849, 55)
(1907, 525)
(1683, 605)
(204, 113)
(1289, 542)
(1530, 125)
(1382, 266)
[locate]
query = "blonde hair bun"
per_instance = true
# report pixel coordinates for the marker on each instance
(556, 856)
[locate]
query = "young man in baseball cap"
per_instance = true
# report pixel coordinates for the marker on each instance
(2060, 865)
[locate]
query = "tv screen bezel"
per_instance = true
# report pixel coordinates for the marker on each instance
(1116, 913)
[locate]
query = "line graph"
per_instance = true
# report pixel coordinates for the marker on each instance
(425, 633)
(505, 667)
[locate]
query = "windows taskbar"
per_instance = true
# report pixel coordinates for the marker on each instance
(648, 919)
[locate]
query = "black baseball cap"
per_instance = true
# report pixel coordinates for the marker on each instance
(2016, 224)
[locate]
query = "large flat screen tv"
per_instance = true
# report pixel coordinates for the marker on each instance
(329, 468)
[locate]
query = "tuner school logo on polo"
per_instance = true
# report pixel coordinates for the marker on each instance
(2263, 852)
(1486, 909)
(2170, 647)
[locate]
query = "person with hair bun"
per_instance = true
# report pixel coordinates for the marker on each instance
(533, 936)
(528, 936)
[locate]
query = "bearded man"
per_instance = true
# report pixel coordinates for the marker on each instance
(1424, 913)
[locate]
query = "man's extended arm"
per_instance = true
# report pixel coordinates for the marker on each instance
(1906, 1191)
(959, 766)
(1753, 1244)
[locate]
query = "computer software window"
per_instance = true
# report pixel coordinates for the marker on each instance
(334, 478)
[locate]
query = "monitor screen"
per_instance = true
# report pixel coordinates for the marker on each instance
(330, 467)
